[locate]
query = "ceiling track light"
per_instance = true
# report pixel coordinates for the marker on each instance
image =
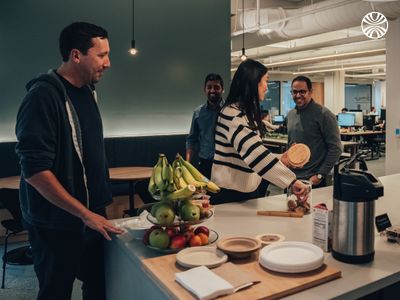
(243, 57)
(367, 75)
(339, 69)
(380, 51)
(133, 50)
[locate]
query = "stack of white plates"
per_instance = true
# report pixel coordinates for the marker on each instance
(291, 257)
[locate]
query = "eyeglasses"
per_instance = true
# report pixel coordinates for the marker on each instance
(301, 92)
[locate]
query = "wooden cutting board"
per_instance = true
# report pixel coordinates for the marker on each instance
(273, 285)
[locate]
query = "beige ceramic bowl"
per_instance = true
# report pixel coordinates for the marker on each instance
(269, 238)
(239, 247)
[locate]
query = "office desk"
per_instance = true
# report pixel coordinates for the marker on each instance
(367, 139)
(127, 279)
(130, 175)
(362, 133)
(281, 143)
(348, 146)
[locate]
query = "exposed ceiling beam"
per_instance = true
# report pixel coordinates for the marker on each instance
(309, 60)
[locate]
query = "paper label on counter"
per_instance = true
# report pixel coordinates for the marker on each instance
(322, 231)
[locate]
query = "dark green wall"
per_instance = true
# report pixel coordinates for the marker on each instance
(179, 41)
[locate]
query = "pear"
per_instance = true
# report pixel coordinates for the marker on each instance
(165, 215)
(190, 212)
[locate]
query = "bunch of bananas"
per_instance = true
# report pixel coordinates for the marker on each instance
(179, 180)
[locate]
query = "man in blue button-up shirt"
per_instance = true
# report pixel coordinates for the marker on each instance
(200, 140)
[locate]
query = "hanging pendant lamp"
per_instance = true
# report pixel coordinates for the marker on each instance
(243, 57)
(133, 50)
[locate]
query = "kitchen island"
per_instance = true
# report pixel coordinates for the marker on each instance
(127, 279)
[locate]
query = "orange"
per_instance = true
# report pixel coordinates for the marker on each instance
(204, 238)
(195, 240)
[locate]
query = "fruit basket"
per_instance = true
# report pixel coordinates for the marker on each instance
(212, 238)
(178, 221)
(181, 192)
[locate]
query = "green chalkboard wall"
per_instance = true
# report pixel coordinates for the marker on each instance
(179, 41)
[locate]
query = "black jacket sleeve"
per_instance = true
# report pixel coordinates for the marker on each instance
(36, 129)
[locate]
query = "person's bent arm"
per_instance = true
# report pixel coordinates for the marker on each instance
(189, 154)
(46, 183)
(192, 139)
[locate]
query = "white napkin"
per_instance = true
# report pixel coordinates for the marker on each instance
(204, 283)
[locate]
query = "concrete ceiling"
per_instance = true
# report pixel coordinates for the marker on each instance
(310, 37)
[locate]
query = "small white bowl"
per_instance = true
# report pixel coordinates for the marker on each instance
(136, 227)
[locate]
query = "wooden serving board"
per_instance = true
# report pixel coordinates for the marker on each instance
(273, 285)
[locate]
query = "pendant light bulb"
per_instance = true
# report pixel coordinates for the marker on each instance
(133, 50)
(243, 57)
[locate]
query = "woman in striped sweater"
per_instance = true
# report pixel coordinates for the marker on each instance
(241, 160)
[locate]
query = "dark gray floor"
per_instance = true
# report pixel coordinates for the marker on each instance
(21, 283)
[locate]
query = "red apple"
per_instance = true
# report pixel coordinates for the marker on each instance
(202, 229)
(172, 231)
(178, 241)
(188, 235)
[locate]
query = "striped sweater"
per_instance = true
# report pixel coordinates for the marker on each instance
(241, 159)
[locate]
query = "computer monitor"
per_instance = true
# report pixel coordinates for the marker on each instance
(359, 117)
(279, 119)
(346, 119)
(369, 122)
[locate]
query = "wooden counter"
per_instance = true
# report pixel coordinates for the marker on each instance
(126, 277)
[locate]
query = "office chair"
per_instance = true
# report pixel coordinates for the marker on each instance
(21, 255)
(376, 145)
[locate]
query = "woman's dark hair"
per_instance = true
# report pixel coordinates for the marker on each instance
(244, 91)
(79, 36)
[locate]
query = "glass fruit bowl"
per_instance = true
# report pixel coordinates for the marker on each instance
(178, 221)
(213, 237)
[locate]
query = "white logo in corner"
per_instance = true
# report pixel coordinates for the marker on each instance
(374, 25)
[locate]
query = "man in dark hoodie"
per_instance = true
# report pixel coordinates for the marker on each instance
(316, 126)
(65, 182)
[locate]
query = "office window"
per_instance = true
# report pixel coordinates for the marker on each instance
(272, 101)
(287, 100)
(358, 97)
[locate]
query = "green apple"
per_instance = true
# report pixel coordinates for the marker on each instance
(190, 212)
(165, 215)
(159, 238)
(154, 208)
(185, 202)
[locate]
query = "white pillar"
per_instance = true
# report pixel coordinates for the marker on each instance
(392, 97)
(334, 91)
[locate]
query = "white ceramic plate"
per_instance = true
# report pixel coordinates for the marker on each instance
(201, 256)
(291, 257)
